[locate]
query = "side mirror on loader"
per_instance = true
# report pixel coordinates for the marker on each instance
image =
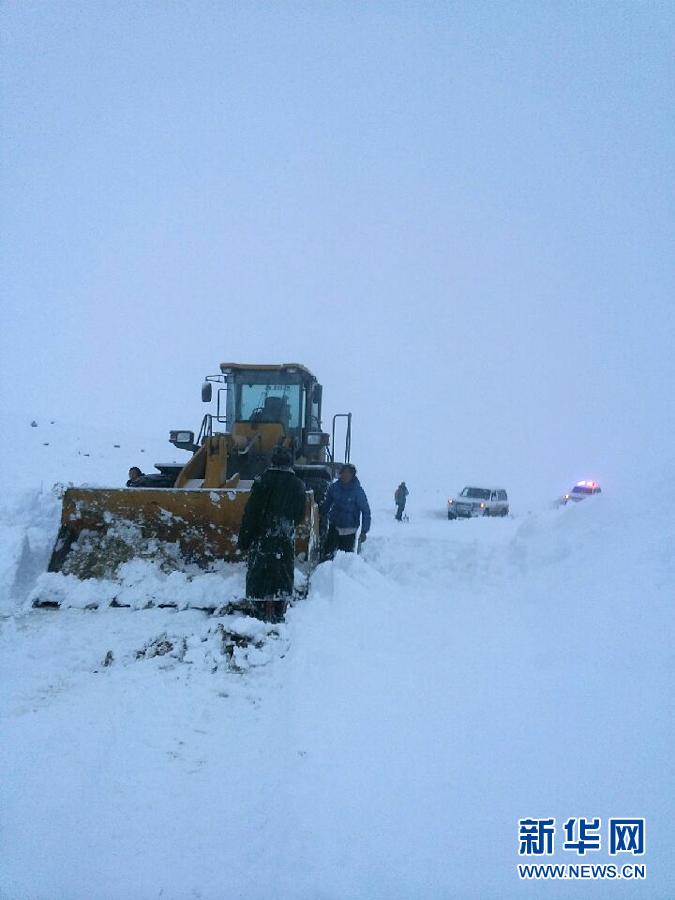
(207, 392)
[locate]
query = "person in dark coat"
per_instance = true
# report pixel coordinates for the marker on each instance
(345, 507)
(276, 505)
(399, 499)
(134, 474)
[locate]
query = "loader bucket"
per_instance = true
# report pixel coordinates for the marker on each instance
(101, 528)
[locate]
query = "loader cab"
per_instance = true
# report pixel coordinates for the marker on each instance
(261, 407)
(289, 396)
(267, 402)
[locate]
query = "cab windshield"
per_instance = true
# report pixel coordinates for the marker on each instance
(269, 403)
(582, 489)
(475, 493)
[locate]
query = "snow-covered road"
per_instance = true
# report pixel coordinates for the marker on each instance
(382, 743)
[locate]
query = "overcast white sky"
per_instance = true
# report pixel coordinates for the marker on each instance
(459, 215)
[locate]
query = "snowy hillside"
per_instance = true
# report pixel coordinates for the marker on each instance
(382, 743)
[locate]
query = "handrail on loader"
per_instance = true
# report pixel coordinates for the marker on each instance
(348, 440)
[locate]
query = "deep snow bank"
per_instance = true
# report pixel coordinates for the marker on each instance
(29, 521)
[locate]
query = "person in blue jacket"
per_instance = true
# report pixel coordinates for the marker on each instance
(345, 506)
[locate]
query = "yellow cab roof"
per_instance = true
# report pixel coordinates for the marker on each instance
(225, 367)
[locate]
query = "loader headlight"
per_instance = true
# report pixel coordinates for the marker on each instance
(450, 501)
(184, 440)
(318, 439)
(482, 506)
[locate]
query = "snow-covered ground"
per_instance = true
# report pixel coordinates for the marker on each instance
(382, 743)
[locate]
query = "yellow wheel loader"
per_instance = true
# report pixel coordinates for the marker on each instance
(191, 513)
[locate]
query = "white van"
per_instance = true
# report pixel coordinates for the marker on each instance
(476, 501)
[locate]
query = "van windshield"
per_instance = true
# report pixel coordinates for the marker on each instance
(475, 493)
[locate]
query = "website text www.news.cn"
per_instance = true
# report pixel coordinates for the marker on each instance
(580, 871)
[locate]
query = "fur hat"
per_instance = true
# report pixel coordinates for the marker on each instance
(282, 458)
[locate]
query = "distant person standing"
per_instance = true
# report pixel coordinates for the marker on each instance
(276, 505)
(345, 507)
(400, 497)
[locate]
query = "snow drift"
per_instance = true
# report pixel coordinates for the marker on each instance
(383, 742)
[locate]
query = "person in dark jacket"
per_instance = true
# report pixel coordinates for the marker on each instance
(345, 507)
(399, 499)
(134, 474)
(276, 505)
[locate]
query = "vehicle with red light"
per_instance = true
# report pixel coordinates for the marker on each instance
(477, 501)
(580, 491)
